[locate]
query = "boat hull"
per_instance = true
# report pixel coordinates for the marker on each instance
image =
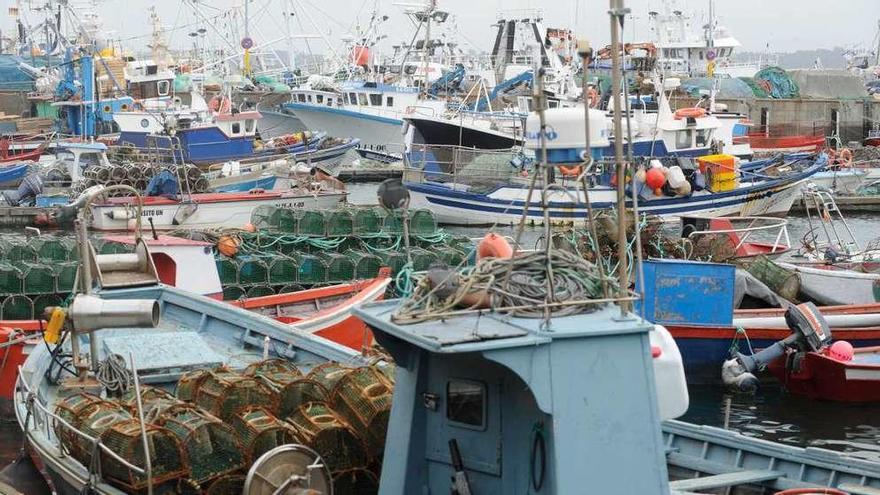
(376, 132)
(433, 131)
(210, 210)
(819, 377)
(278, 123)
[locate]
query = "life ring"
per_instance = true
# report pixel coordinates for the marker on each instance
(593, 97)
(690, 113)
(220, 104)
(571, 171)
(494, 246)
(845, 157)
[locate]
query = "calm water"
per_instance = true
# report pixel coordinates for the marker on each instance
(772, 413)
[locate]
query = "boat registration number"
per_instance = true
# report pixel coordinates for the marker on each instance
(291, 204)
(153, 213)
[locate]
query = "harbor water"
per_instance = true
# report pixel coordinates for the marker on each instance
(772, 413)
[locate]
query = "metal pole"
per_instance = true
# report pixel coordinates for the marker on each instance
(541, 105)
(140, 410)
(617, 12)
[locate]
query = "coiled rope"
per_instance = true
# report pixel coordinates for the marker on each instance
(114, 374)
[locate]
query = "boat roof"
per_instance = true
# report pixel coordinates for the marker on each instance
(96, 146)
(487, 331)
(224, 117)
(378, 87)
(163, 240)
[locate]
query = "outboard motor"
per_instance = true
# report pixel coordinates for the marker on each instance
(27, 191)
(810, 332)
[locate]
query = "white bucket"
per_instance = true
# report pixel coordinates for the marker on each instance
(676, 177)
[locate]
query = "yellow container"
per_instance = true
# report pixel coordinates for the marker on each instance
(723, 181)
(717, 163)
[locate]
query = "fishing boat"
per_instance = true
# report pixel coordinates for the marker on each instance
(205, 210)
(820, 375)
(7, 157)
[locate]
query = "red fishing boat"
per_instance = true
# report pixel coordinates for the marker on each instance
(822, 375)
(7, 156)
(785, 138)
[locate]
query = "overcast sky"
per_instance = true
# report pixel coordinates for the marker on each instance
(787, 25)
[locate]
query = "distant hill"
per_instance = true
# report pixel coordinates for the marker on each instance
(801, 59)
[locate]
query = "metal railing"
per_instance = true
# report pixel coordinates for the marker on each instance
(463, 166)
(756, 225)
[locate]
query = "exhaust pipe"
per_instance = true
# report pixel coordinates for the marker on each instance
(89, 313)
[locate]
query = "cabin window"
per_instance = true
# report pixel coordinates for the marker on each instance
(310, 99)
(466, 403)
(163, 88)
(236, 128)
(376, 100)
(249, 125)
(702, 137)
(362, 99)
(301, 98)
(352, 98)
(319, 98)
(701, 54)
(683, 139)
(552, 104)
(329, 102)
(389, 101)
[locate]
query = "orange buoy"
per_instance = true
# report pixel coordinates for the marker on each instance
(690, 113)
(654, 178)
(228, 246)
(249, 227)
(220, 104)
(494, 246)
(571, 171)
(845, 157)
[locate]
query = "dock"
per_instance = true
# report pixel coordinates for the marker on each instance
(848, 204)
(370, 174)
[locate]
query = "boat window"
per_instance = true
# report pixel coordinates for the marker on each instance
(329, 102)
(164, 87)
(319, 98)
(301, 98)
(249, 125)
(389, 101)
(376, 100)
(702, 137)
(362, 99)
(701, 54)
(683, 139)
(352, 98)
(552, 104)
(466, 403)
(310, 99)
(236, 128)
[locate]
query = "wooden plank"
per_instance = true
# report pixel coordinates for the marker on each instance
(858, 489)
(736, 478)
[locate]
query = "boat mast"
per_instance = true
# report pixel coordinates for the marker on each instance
(617, 14)
(711, 64)
(432, 5)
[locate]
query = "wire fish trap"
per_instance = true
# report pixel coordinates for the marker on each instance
(10, 279)
(394, 260)
(449, 255)
(338, 223)
(113, 247)
(260, 431)
(154, 402)
(234, 292)
(320, 428)
(89, 414)
(310, 223)
(65, 277)
(18, 307)
(310, 269)
(227, 269)
(366, 221)
(188, 384)
(260, 291)
(44, 301)
(422, 222)
(37, 278)
(340, 268)
(167, 458)
(273, 218)
(53, 249)
(212, 448)
(224, 392)
(355, 481)
(291, 388)
(366, 265)
(362, 396)
(282, 270)
(287, 289)
(19, 250)
(252, 271)
(226, 485)
(422, 259)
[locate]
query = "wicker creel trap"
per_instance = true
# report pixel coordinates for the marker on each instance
(260, 431)
(320, 428)
(167, 458)
(224, 392)
(89, 414)
(362, 396)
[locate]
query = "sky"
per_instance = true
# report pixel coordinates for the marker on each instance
(787, 25)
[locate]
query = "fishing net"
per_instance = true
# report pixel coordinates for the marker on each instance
(19, 250)
(65, 276)
(212, 447)
(339, 267)
(338, 223)
(366, 265)
(260, 291)
(44, 301)
(10, 279)
(233, 292)
(18, 307)
(362, 396)
(260, 431)
(320, 428)
(227, 269)
(188, 384)
(223, 393)
(282, 270)
(310, 222)
(252, 270)
(37, 278)
(226, 485)
(355, 481)
(57, 249)
(90, 415)
(366, 221)
(310, 269)
(167, 459)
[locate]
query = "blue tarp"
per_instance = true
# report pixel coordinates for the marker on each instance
(163, 184)
(12, 78)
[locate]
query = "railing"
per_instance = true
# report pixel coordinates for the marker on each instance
(25, 394)
(473, 168)
(764, 224)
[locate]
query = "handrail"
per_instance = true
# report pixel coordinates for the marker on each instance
(776, 223)
(22, 385)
